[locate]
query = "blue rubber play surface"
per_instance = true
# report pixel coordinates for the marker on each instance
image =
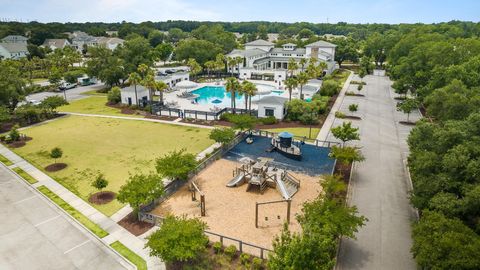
(315, 160)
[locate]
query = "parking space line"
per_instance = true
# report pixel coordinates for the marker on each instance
(45, 221)
(26, 199)
(77, 246)
(6, 182)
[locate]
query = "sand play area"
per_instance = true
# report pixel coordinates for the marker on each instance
(231, 211)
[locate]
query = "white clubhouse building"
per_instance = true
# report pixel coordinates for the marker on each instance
(262, 61)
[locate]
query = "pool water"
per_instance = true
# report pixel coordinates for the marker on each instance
(209, 94)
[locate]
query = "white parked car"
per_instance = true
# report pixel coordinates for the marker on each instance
(67, 85)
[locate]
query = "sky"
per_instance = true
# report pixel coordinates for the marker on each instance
(315, 11)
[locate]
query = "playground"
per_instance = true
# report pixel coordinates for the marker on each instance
(231, 211)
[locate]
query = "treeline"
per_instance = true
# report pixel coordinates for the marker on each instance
(40, 31)
(439, 66)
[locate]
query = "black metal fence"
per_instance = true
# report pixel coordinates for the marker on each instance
(197, 114)
(298, 139)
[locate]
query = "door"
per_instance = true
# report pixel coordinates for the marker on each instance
(129, 101)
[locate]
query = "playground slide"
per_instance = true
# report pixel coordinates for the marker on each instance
(283, 189)
(237, 180)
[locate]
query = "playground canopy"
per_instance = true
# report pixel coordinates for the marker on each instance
(286, 135)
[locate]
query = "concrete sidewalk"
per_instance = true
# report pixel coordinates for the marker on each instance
(116, 232)
(139, 119)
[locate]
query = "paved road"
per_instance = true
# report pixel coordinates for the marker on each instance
(36, 235)
(380, 185)
(72, 94)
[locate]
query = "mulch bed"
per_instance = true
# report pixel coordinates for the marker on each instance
(102, 197)
(399, 98)
(343, 170)
(407, 123)
(134, 226)
(160, 117)
(354, 95)
(16, 144)
(55, 167)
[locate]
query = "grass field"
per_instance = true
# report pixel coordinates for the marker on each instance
(5, 161)
(74, 213)
(25, 175)
(298, 131)
(129, 255)
(113, 147)
(93, 105)
(94, 93)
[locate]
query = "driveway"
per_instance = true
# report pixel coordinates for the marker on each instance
(380, 184)
(34, 234)
(72, 94)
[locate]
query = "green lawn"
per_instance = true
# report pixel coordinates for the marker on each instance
(298, 131)
(25, 175)
(129, 255)
(5, 161)
(94, 93)
(74, 213)
(39, 80)
(93, 105)
(114, 147)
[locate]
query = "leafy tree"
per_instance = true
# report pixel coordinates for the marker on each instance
(346, 155)
(305, 33)
(100, 182)
(141, 189)
(55, 77)
(295, 251)
(407, 106)
(56, 153)
(14, 135)
(178, 240)
(345, 132)
(216, 35)
(135, 52)
(222, 135)
(346, 50)
(176, 164)
(329, 88)
(200, 50)
(262, 32)
(4, 114)
(243, 121)
(114, 95)
(442, 243)
(50, 104)
(156, 38)
(163, 51)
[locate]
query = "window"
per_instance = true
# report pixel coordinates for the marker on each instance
(269, 112)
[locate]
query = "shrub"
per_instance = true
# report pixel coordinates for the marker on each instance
(339, 114)
(114, 95)
(14, 134)
(243, 121)
(271, 120)
(329, 88)
(308, 118)
(3, 138)
(244, 258)
(353, 107)
(226, 117)
(257, 263)
(230, 251)
(222, 135)
(360, 87)
(217, 247)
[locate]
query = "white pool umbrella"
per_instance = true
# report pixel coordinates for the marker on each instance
(186, 85)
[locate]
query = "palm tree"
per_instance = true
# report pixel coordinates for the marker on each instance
(302, 79)
(291, 83)
(194, 66)
(134, 79)
(238, 61)
(249, 89)
(292, 66)
(302, 63)
(143, 70)
(160, 86)
(210, 65)
(232, 85)
(231, 62)
(149, 83)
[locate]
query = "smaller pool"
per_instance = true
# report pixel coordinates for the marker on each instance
(277, 92)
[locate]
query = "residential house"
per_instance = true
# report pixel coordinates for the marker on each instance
(15, 39)
(273, 37)
(80, 40)
(262, 61)
(13, 50)
(109, 42)
(54, 44)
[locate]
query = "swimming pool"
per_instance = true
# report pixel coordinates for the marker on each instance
(219, 96)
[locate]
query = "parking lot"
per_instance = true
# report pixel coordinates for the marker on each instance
(34, 234)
